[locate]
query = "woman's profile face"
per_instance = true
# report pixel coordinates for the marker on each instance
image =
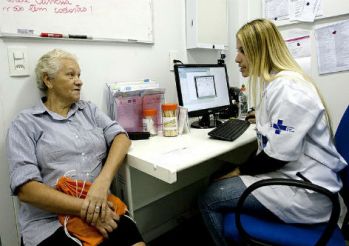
(66, 85)
(241, 59)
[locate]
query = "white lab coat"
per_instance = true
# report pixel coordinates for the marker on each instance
(291, 126)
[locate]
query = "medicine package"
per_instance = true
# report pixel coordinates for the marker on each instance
(126, 106)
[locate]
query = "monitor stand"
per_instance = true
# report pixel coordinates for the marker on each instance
(206, 122)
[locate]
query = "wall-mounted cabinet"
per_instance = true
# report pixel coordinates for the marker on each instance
(207, 24)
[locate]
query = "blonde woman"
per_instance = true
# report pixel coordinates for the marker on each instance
(293, 133)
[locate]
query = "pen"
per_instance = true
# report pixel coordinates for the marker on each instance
(79, 36)
(51, 35)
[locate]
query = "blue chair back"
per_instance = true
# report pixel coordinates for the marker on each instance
(342, 145)
(342, 135)
(297, 234)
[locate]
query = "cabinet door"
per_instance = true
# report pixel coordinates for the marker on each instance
(207, 24)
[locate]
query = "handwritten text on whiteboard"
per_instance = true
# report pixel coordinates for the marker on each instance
(49, 6)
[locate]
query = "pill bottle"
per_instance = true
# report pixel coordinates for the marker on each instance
(149, 121)
(169, 120)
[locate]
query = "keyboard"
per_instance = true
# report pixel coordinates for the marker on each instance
(230, 130)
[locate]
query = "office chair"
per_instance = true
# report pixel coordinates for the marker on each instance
(251, 230)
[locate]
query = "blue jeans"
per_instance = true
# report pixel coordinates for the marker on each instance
(222, 196)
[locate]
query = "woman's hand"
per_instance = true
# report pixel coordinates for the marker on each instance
(251, 117)
(108, 224)
(95, 205)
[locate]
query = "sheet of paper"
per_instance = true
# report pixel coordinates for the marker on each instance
(298, 43)
(296, 8)
(175, 159)
(183, 121)
(129, 112)
(332, 47)
(342, 47)
(276, 9)
(299, 46)
(304, 10)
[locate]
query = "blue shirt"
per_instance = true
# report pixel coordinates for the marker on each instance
(43, 146)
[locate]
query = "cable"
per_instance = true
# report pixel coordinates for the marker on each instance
(66, 218)
(177, 61)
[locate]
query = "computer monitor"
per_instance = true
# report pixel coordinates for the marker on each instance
(203, 89)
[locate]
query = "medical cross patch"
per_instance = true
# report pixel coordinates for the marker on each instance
(279, 127)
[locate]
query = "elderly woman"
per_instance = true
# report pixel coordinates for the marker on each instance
(61, 134)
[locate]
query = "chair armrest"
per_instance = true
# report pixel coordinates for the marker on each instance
(331, 225)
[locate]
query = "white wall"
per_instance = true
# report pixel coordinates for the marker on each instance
(100, 62)
(105, 62)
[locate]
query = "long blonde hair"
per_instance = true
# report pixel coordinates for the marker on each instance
(267, 54)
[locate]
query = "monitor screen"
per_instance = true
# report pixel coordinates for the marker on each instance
(203, 89)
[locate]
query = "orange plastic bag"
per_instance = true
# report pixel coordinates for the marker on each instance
(87, 234)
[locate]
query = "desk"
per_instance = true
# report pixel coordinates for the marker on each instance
(162, 176)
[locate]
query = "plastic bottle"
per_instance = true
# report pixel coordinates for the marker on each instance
(149, 121)
(243, 107)
(169, 120)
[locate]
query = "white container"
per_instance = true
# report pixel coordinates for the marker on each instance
(149, 119)
(169, 120)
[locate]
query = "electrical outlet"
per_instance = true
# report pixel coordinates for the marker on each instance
(173, 55)
(18, 61)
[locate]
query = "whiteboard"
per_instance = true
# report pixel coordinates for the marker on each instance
(120, 20)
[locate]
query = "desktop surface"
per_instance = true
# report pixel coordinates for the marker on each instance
(162, 157)
(166, 174)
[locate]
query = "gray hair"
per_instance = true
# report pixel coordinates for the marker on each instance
(49, 64)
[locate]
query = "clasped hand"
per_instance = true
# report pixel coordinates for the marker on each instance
(97, 211)
(109, 223)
